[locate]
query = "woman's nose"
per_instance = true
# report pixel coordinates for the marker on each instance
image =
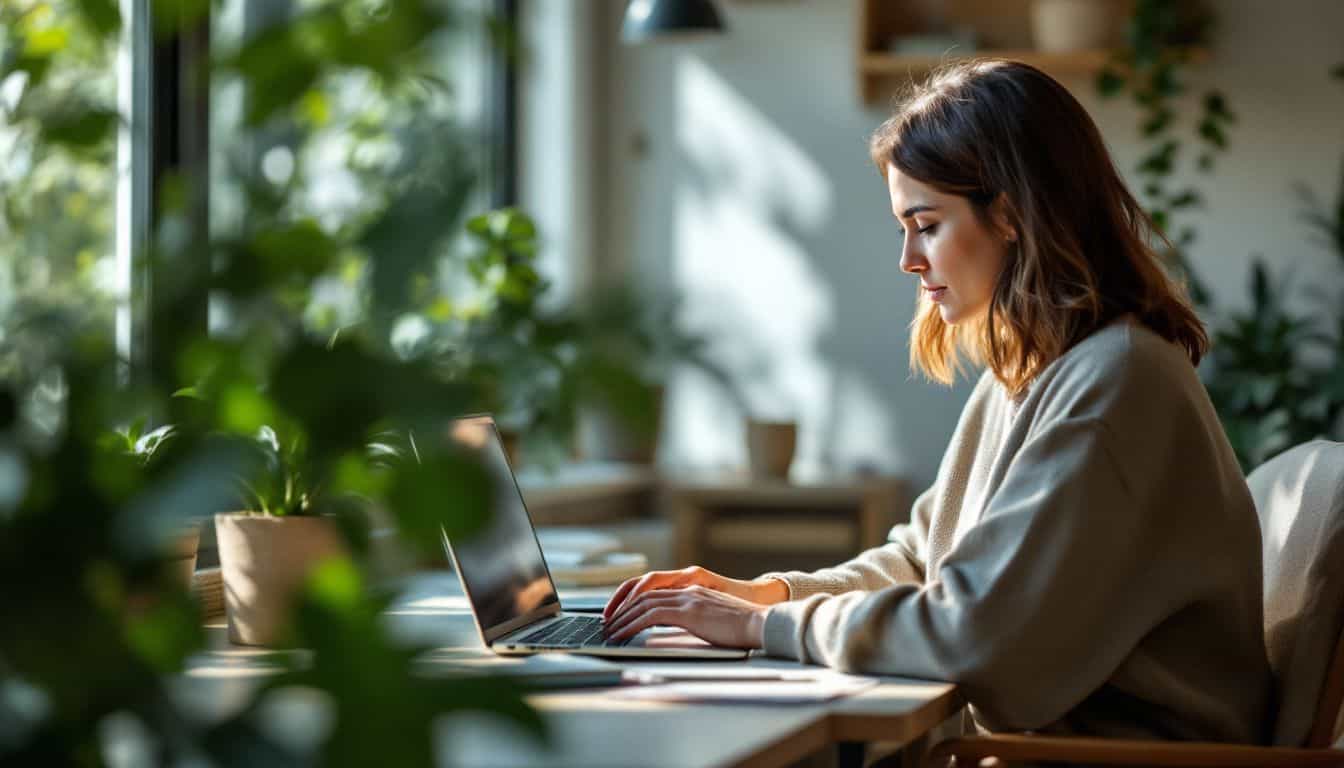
(912, 260)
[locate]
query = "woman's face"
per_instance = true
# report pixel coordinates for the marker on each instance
(956, 257)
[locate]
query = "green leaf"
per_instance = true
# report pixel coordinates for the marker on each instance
(296, 250)
(1110, 82)
(1156, 123)
(1160, 219)
(243, 410)
(452, 490)
(1186, 199)
(171, 17)
(43, 43)
(101, 15)
(1215, 104)
(80, 127)
(1213, 133)
(1262, 292)
(337, 585)
(166, 632)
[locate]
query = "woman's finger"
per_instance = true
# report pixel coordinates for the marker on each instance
(661, 616)
(618, 597)
(641, 605)
(652, 581)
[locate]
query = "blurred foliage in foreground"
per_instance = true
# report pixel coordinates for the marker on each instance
(96, 632)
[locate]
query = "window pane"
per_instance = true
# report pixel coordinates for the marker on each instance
(58, 93)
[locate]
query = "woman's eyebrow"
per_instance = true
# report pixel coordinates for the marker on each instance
(912, 210)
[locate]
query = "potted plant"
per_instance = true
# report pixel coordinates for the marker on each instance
(633, 345)
(1276, 374)
(269, 549)
(146, 448)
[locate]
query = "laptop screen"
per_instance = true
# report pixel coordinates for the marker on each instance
(500, 565)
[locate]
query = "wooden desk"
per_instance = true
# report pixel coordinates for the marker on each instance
(838, 517)
(594, 728)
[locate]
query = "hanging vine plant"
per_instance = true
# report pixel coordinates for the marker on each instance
(1163, 38)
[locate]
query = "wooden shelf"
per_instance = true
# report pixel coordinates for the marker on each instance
(1001, 29)
(882, 71)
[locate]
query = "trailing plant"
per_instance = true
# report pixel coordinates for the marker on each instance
(1162, 39)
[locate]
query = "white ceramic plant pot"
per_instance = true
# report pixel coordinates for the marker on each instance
(1061, 26)
(264, 562)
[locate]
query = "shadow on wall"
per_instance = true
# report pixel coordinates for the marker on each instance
(791, 262)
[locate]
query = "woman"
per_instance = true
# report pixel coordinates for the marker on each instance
(1088, 559)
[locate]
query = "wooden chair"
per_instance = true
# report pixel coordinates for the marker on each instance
(1299, 496)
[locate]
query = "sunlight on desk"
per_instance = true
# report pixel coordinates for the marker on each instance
(591, 726)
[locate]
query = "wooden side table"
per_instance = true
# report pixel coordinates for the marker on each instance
(838, 517)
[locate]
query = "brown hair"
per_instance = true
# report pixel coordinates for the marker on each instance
(988, 130)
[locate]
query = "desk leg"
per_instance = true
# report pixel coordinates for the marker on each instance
(909, 756)
(873, 520)
(850, 754)
(690, 531)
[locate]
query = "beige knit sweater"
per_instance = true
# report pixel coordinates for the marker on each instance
(1087, 561)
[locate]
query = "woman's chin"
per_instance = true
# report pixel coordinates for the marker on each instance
(950, 314)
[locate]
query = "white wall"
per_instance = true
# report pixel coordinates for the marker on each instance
(737, 172)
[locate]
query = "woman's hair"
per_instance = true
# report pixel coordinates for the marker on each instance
(990, 130)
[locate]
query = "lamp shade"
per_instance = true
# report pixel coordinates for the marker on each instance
(650, 19)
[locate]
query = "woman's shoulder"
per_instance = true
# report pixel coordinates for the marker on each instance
(1123, 369)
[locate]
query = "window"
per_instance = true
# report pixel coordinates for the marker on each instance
(58, 183)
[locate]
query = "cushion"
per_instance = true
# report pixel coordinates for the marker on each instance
(1299, 496)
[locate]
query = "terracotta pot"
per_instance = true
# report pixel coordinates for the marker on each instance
(1061, 26)
(264, 562)
(770, 446)
(182, 557)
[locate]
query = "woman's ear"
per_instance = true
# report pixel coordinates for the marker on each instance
(1000, 213)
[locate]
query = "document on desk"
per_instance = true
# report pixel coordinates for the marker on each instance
(745, 686)
(546, 670)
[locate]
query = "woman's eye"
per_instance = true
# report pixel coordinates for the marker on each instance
(927, 230)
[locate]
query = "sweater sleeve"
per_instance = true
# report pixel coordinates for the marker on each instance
(1022, 613)
(899, 561)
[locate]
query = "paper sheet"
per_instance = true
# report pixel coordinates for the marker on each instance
(790, 688)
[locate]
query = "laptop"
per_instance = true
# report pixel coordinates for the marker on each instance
(509, 586)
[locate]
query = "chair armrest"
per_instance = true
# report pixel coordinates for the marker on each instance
(1015, 748)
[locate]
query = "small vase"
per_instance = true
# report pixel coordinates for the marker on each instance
(264, 561)
(1063, 26)
(770, 446)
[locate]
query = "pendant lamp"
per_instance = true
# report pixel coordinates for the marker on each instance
(647, 20)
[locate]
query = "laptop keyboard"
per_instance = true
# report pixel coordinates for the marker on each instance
(572, 632)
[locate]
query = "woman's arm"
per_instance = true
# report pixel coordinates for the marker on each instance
(900, 561)
(1058, 575)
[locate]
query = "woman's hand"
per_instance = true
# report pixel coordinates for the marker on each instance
(760, 591)
(718, 617)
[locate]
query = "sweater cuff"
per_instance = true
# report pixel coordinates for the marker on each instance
(802, 584)
(785, 633)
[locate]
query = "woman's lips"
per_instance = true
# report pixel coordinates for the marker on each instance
(936, 292)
